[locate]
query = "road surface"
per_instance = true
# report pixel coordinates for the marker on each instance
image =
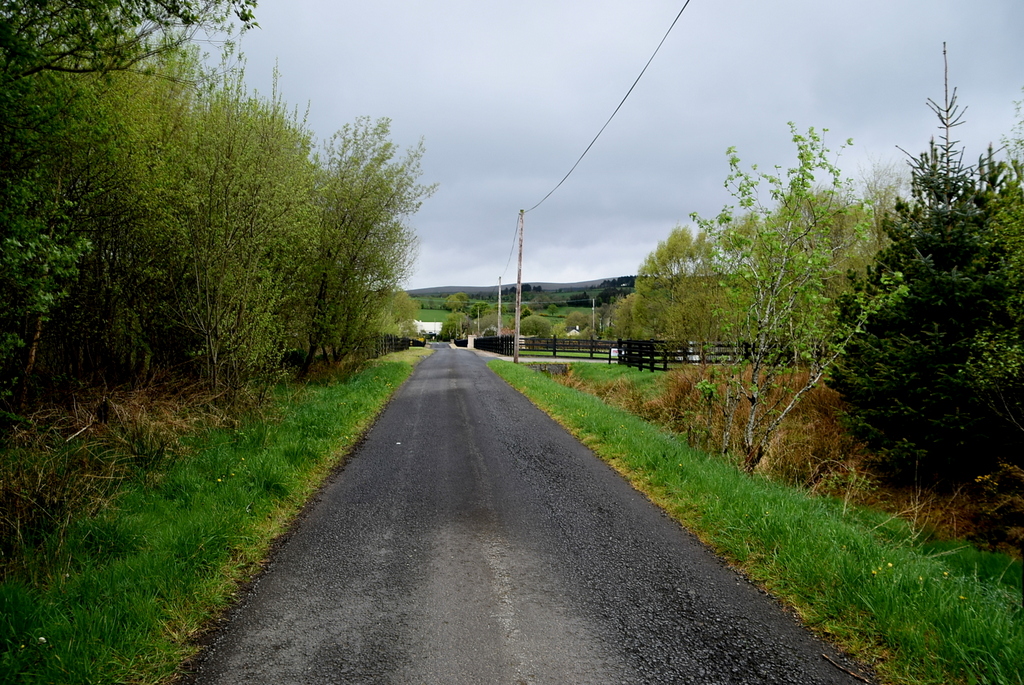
(470, 539)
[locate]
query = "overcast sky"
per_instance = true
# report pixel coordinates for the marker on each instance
(507, 96)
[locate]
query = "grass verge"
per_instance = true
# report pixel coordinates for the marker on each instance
(918, 613)
(137, 581)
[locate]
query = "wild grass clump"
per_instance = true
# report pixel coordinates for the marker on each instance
(918, 612)
(115, 596)
(810, 448)
(70, 457)
(42, 492)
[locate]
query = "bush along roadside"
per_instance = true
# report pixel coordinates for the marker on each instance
(143, 576)
(917, 613)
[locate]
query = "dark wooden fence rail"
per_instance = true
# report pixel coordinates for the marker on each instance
(569, 347)
(390, 343)
(654, 355)
(661, 355)
(575, 347)
(498, 344)
(643, 354)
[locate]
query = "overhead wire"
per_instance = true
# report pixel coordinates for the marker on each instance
(622, 102)
(624, 98)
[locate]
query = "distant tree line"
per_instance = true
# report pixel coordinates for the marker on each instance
(620, 282)
(607, 295)
(155, 215)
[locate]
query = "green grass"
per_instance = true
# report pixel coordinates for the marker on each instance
(647, 382)
(920, 613)
(137, 581)
(435, 315)
(562, 312)
(566, 311)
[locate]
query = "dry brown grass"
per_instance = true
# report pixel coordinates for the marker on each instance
(809, 445)
(73, 451)
(812, 449)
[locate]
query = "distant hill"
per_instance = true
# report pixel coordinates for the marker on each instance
(619, 281)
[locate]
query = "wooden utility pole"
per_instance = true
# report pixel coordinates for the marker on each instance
(499, 306)
(519, 289)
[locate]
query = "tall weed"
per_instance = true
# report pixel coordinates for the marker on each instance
(809, 446)
(115, 596)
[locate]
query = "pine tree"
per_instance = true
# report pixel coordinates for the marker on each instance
(905, 375)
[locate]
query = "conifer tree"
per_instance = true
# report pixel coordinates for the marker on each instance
(905, 374)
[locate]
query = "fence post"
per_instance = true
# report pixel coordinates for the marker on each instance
(554, 346)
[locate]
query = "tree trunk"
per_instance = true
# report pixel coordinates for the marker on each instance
(319, 312)
(751, 447)
(30, 362)
(310, 356)
(732, 396)
(754, 455)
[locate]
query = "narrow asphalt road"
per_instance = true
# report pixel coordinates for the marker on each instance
(472, 540)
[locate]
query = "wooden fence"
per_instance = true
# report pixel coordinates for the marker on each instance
(566, 347)
(661, 355)
(386, 344)
(655, 355)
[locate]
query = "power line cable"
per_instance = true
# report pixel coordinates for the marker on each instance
(622, 102)
(664, 38)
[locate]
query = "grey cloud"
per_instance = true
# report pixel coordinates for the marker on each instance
(507, 96)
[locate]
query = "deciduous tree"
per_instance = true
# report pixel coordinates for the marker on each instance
(576, 320)
(53, 53)
(677, 290)
(404, 310)
(454, 326)
(777, 258)
(456, 302)
(363, 246)
(242, 202)
(535, 325)
(624, 321)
